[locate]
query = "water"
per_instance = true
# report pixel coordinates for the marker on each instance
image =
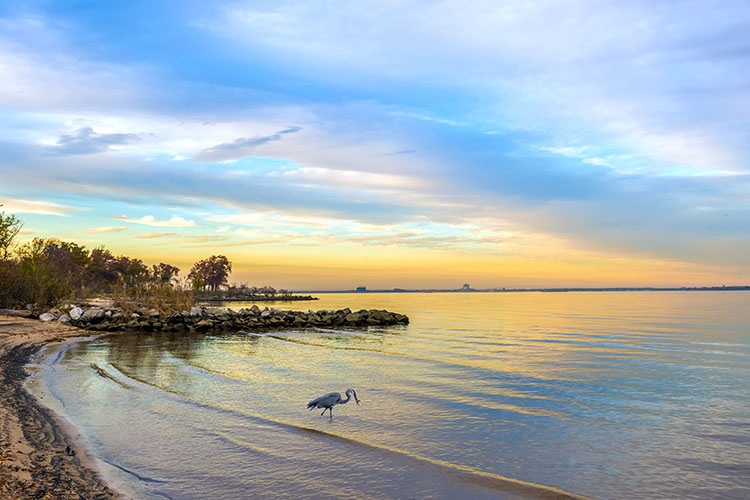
(608, 395)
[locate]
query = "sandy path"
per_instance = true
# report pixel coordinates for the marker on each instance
(33, 462)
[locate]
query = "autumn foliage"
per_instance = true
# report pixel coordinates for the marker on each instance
(46, 271)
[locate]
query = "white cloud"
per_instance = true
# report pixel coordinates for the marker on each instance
(34, 207)
(348, 178)
(272, 220)
(99, 230)
(150, 220)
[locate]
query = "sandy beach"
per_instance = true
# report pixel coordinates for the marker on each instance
(33, 440)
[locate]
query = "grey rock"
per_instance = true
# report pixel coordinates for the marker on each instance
(64, 319)
(196, 311)
(93, 315)
(47, 317)
(76, 313)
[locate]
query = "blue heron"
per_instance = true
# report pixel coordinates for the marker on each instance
(328, 401)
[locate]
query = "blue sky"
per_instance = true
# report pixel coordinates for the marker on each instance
(552, 142)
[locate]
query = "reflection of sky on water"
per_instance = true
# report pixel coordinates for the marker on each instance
(606, 394)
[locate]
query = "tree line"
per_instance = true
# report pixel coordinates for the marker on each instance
(46, 270)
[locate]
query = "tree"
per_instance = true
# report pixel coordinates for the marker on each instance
(132, 272)
(101, 270)
(212, 272)
(9, 228)
(163, 274)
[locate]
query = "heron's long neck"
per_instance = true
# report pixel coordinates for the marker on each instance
(344, 401)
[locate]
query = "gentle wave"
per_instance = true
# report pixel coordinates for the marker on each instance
(462, 473)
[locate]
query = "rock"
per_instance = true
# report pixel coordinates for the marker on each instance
(93, 315)
(196, 311)
(255, 309)
(47, 317)
(153, 312)
(64, 319)
(204, 324)
(381, 316)
(17, 312)
(352, 317)
(265, 314)
(76, 313)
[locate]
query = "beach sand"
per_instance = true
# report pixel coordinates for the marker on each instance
(33, 439)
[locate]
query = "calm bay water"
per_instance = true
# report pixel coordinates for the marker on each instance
(609, 395)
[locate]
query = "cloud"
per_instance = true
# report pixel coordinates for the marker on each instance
(41, 70)
(270, 220)
(150, 220)
(85, 141)
(154, 235)
(239, 148)
(349, 178)
(99, 230)
(34, 207)
(400, 152)
(656, 93)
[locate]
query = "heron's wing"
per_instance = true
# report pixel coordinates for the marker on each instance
(324, 400)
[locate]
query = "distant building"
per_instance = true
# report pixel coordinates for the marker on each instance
(361, 288)
(466, 287)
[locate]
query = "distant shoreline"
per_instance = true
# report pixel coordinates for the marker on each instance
(255, 298)
(516, 290)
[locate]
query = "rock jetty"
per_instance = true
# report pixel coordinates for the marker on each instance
(220, 319)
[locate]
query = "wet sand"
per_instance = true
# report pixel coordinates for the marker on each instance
(33, 439)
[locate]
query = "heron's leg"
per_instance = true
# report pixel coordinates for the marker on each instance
(330, 412)
(324, 412)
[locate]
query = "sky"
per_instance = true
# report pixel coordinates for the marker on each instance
(328, 145)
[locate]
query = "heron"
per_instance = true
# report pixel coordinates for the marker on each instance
(328, 401)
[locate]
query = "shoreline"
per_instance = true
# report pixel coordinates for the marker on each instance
(33, 438)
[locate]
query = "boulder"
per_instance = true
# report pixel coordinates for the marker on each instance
(76, 313)
(93, 315)
(46, 317)
(381, 316)
(64, 319)
(354, 318)
(196, 311)
(204, 324)
(17, 312)
(255, 309)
